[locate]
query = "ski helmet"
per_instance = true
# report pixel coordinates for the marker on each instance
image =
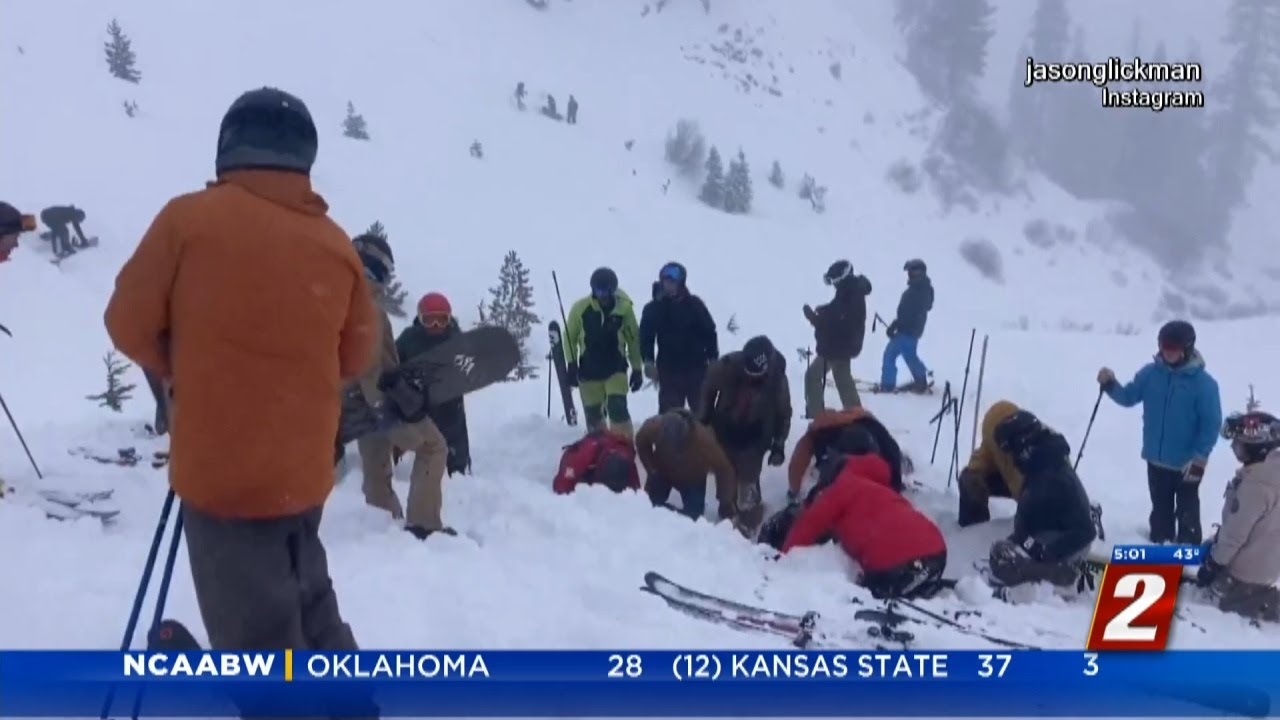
(915, 265)
(1016, 433)
(856, 440)
(267, 129)
(375, 254)
(1253, 435)
(434, 312)
(756, 353)
(840, 270)
(604, 282)
(1177, 334)
(674, 272)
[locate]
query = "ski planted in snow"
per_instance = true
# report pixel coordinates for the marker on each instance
(562, 373)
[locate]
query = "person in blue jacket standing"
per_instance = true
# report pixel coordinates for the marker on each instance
(905, 331)
(1181, 416)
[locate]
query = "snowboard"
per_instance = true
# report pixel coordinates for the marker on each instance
(91, 243)
(463, 364)
(904, 389)
(562, 371)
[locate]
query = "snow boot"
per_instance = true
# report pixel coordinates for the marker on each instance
(422, 533)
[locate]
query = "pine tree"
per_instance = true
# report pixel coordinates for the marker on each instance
(737, 186)
(946, 44)
(713, 187)
(117, 392)
(120, 58)
(511, 307)
(776, 178)
(354, 126)
(390, 295)
(1032, 111)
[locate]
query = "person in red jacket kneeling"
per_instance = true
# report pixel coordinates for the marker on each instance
(900, 550)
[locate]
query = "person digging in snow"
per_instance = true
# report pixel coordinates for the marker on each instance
(601, 337)
(1242, 563)
(1181, 419)
(901, 551)
(373, 395)
(433, 326)
(906, 330)
(220, 300)
(1052, 528)
(820, 439)
(679, 323)
(990, 472)
(57, 218)
(677, 453)
(839, 328)
(746, 401)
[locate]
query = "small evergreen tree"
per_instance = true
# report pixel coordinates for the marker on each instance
(117, 392)
(120, 58)
(732, 325)
(713, 187)
(511, 307)
(390, 295)
(776, 178)
(354, 126)
(737, 186)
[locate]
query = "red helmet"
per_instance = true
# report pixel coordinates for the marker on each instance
(434, 304)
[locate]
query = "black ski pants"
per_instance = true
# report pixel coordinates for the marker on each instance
(1175, 506)
(907, 580)
(678, 387)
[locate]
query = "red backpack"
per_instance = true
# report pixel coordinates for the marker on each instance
(600, 458)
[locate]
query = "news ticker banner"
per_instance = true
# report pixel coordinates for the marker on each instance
(638, 684)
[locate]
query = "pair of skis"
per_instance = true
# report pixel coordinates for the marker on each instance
(63, 505)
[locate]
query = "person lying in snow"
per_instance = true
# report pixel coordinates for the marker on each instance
(603, 457)
(819, 440)
(900, 550)
(1242, 563)
(677, 453)
(1052, 529)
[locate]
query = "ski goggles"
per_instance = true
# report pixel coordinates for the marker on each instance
(833, 279)
(671, 272)
(435, 320)
(1249, 428)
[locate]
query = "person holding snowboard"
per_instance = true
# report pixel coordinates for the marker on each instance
(1052, 528)
(1181, 419)
(601, 338)
(906, 330)
(1241, 564)
(839, 328)
(57, 218)
(220, 300)
(820, 441)
(746, 401)
(900, 551)
(677, 453)
(679, 323)
(434, 325)
(417, 435)
(12, 224)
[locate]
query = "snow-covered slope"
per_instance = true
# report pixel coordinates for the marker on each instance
(431, 80)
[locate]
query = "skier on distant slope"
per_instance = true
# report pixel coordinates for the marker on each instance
(839, 328)
(900, 551)
(1242, 563)
(1052, 529)
(1181, 418)
(433, 326)
(600, 339)
(677, 453)
(685, 334)
(747, 402)
(417, 435)
(906, 329)
(57, 218)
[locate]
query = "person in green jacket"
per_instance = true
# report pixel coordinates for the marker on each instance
(601, 339)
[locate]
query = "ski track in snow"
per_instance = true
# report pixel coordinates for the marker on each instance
(530, 569)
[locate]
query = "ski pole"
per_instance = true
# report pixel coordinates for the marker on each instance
(21, 439)
(964, 390)
(946, 405)
(132, 625)
(1092, 416)
(166, 576)
(977, 397)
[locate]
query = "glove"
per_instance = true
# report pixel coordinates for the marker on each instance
(892, 330)
(637, 380)
(1208, 571)
(793, 498)
(810, 315)
(571, 374)
(651, 371)
(776, 456)
(1106, 376)
(1033, 548)
(1194, 471)
(388, 379)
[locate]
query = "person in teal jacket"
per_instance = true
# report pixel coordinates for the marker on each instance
(601, 339)
(1181, 416)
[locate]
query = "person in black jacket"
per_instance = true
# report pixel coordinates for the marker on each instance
(1053, 528)
(685, 335)
(839, 328)
(57, 218)
(905, 331)
(433, 326)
